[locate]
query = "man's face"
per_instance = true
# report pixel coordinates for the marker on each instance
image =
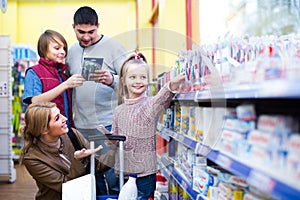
(86, 34)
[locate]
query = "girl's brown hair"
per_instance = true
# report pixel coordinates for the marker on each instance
(37, 118)
(47, 37)
(133, 58)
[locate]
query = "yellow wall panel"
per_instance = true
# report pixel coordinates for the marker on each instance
(31, 18)
(172, 35)
(145, 29)
(25, 20)
(8, 21)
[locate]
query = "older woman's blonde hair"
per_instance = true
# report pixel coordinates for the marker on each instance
(37, 118)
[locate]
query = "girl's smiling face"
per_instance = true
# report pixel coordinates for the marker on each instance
(56, 51)
(136, 80)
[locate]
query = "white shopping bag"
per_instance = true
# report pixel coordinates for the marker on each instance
(82, 188)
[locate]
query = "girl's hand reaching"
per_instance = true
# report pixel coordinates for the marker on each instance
(174, 84)
(86, 152)
(74, 81)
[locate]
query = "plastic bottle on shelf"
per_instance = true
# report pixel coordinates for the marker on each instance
(129, 190)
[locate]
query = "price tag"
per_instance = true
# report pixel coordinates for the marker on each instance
(265, 183)
(202, 149)
(184, 184)
(169, 132)
(224, 161)
(188, 142)
(180, 138)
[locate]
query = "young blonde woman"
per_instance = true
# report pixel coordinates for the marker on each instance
(49, 154)
(136, 117)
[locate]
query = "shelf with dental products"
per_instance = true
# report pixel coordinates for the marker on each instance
(274, 101)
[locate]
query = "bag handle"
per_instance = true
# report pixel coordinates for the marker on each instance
(107, 137)
(74, 139)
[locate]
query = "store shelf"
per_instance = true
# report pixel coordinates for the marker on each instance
(267, 182)
(280, 88)
(164, 130)
(168, 170)
(6, 153)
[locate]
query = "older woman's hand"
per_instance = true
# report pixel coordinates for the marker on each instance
(86, 152)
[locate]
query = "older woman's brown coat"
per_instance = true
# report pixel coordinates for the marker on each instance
(49, 171)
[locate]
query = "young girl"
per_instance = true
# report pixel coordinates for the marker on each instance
(47, 80)
(136, 117)
(48, 153)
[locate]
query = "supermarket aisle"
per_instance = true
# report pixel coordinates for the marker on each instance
(23, 188)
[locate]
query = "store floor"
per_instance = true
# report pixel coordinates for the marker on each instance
(23, 188)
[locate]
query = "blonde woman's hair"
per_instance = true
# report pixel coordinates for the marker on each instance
(133, 58)
(37, 118)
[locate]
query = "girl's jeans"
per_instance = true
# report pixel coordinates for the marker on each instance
(146, 186)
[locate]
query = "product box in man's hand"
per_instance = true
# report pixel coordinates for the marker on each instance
(89, 67)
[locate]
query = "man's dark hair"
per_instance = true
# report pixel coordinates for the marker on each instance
(85, 15)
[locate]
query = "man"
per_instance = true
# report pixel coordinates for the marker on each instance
(94, 101)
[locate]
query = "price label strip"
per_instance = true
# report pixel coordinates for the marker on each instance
(264, 182)
(224, 161)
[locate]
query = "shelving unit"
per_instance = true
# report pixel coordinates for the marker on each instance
(272, 184)
(6, 133)
(278, 89)
(285, 94)
(167, 169)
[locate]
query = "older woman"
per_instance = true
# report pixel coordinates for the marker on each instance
(49, 154)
